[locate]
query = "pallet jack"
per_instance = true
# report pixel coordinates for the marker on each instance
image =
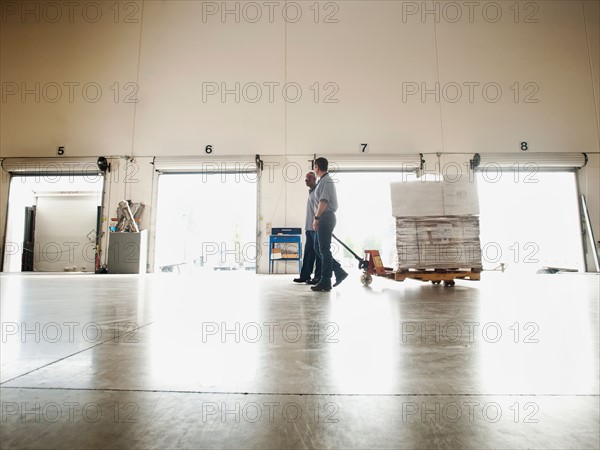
(371, 264)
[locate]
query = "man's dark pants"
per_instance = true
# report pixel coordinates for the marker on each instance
(328, 264)
(310, 257)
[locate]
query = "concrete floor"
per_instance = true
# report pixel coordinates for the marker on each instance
(229, 360)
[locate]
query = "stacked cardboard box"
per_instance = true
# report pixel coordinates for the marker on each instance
(434, 198)
(437, 225)
(443, 242)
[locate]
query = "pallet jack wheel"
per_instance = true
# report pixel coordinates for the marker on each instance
(436, 281)
(366, 279)
(449, 283)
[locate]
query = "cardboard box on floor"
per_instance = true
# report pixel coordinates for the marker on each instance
(434, 198)
(436, 224)
(444, 242)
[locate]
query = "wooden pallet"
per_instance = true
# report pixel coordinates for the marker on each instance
(438, 275)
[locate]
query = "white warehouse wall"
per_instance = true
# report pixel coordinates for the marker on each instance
(66, 83)
(405, 77)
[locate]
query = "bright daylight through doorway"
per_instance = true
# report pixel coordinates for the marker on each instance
(527, 223)
(530, 220)
(206, 222)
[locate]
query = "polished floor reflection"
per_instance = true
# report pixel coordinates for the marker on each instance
(230, 360)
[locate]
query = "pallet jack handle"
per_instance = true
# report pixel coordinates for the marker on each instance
(362, 264)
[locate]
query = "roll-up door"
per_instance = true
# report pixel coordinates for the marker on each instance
(375, 163)
(228, 243)
(529, 212)
(66, 179)
(200, 164)
(51, 166)
(539, 161)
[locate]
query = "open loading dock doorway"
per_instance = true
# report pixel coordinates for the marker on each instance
(52, 223)
(525, 226)
(364, 217)
(530, 220)
(206, 221)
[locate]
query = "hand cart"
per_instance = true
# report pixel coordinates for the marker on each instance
(371, 265)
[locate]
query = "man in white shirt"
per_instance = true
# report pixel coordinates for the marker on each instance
(310, 251)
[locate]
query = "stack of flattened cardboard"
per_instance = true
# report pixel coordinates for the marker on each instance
(437, 224)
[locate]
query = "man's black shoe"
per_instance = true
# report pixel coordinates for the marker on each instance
(339, 279)
(320, 288)
(300, 280)
(313, 281)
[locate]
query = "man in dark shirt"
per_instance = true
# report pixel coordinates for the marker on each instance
(323, 224)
